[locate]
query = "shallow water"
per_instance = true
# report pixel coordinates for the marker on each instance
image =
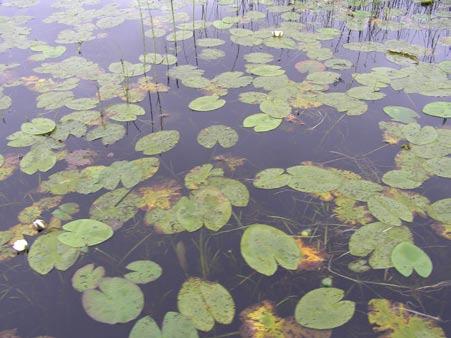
(48, 305)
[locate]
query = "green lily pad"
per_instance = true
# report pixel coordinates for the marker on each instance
(124, 112)
(87, 277)
(144, 272)
(441, 211)
(264, 247)
(109, 133)
(232, 80)
(417, 135)
(271, 178)
(225, 136)
(85, 232)
(313, 179)
(439, 109)
(275, 107)
(265, 70)
(38, 159)
(378, 240)
(128, 69)
(206, 103)
(175, 325)
(440, 166)
(365, 93)
(407, 257)
(38, 126)
(402, 179)
(324, 309)
(401, 114)
(198, 176)
(204, 303)
(47, 252)
(235, 191)
(388, 210)
(323, 77)
(116, 300)
(261, 122)
(158, 142)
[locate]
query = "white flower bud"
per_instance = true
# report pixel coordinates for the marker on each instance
(39, 224)
(20, 245)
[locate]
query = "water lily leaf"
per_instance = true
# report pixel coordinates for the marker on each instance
(144, 272)
(309, 66)
(232, 80)
(271, 178)
(440, 166)
(338, 64)
(378, 240)
(360, 190)
(402, 179)
(417, 135)
(394, 319)
(47, 252)
(324, 309)
(441, 211)
(84, 103)
(313, 179)
(158, 142)
(261, 122)
(265, 70)
(407, 257)
(235, 191)
(205, 303)
(128, 69)
(388, 210)
(38, 126)
(439, 108)
(264, 247)
(198, 176)
(207, 207)
(124, 112)
(323, 77)
(116, 300)
(275, 107)
(109, 133)
(206, 103)
(349, 212)
(365, 93)
(87, 277)
(258, 57)
(225, 136)
(175, 325)
(209, 42)
(401, 114)
(38, 159)
(85, 232)
(261, 320)
(179, 35)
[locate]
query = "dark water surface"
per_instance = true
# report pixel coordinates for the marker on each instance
(47, 305)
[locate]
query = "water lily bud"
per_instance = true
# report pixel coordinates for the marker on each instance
(20, 245)
(327, 282)
(277, 34)
(39, 224)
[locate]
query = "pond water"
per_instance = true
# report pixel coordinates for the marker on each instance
(269, 168)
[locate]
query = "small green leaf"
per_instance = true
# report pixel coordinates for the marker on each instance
(85, 232)
(158, 142)
(87, 277)
(225, 136)
(407, 257)
(144, 271)
(207, 103)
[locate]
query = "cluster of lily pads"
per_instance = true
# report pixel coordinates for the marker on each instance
(379, 215)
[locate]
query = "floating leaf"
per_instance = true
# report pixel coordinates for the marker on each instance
(87, 277)
(143, 272)
(265, 70)
(394, 319)
(38, 159)
(324, 309)
(417, 135)
(85, 232)
(38, 126)
(225, 136)
(116, 300)
(261, 122)
(441, 211)
(401, 114)
(388, 210)
(378, 240)
(124, 112)
(440, 166)
(175, 325)
(275, 107)
(271, 178)
(313, 179)
(158, 142)
(439, 108)
(407, 257)
(199, 175)
(402, 179)
(206, 103)
(47, 252)
(205, 303)
(264, 247)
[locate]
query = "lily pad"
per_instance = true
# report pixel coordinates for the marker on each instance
(261, 122)
(87, 277)
(324, 309)
(38, 159)
(388, 210)
(313, 179)
(116, 300)
(407, 257)
(402, 179)
(439, 109)
(271, 178)
(441, 211)
(47, 252)
(264, 247)
(158, 142)
(206, 103)
(144, 272)
(38, 126)
(225, 136)
(175, 325)
(85, 232)
(420, 136)
(440, 166)
(401, 114)
(205, 303)
(124, 112)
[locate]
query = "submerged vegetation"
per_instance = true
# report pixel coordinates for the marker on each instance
(260, 169)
